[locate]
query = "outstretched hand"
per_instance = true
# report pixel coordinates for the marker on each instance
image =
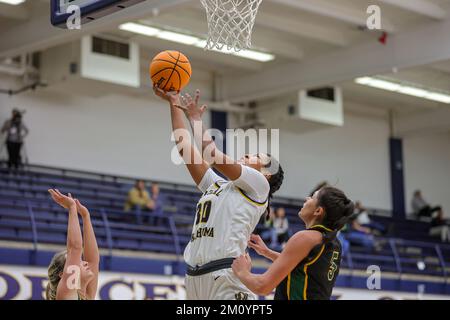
(64, 201)
(191, 107)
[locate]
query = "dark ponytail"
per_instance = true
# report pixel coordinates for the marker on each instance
(275, 180)
(338, 210)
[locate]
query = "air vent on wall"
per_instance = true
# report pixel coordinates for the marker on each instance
(322, 93)
(111, 48)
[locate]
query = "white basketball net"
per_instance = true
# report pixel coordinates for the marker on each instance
(230, 23)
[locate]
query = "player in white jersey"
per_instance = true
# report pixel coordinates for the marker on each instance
(229, 209)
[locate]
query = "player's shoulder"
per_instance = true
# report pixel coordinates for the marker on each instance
(312, 237)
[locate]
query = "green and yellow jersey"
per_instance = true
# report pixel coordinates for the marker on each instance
(314, 277)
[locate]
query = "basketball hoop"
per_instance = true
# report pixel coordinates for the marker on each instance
(230, 23)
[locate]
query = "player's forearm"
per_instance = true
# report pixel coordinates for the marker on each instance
(271, 254)
(211, 154)
(201, 135)
(177, 118)
(74, 240)
(257, 283)
(91, 253)
(187, 150)
(182, 137)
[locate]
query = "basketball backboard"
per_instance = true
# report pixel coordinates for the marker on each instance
(90, 10)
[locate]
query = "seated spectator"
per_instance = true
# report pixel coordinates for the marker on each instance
(440, 228)
(421, 208)
(363, 219)
(358, 235)
(281, 226)
(139, 199)
(344, 243)
(265, 226)
(157, 201)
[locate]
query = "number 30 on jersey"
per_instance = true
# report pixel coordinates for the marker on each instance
(203, 212)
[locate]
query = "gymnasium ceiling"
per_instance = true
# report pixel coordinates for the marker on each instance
(316, 42)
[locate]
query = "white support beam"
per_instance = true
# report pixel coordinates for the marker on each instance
(299, 28)
(334, 11)
(38, 33)
(422, 7)
(401, 51)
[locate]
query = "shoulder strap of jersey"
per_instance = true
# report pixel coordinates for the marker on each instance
(327, 233)
(257, 203)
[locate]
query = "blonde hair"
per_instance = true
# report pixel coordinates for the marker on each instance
(55, 269)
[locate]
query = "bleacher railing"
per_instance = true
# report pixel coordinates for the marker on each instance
(394, 244)
(75, 173)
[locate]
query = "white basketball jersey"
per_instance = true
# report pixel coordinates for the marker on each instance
(226, 215)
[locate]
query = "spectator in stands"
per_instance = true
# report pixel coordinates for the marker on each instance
(421, 208)
(357, 234)
(15, 131)
(281, 226)
(138, 197)
(344, 243)
(157, 205)
(265, 226)
(363, 219)
(439, 227)
(156, 198)
(61, 270)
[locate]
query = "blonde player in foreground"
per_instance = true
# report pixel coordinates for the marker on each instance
(307, 267)
(227, 212)
(70, 277)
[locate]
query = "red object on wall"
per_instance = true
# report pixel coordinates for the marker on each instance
(383, 38)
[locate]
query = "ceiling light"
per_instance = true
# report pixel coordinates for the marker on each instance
(404, 89)
(416, 92)
(377, 83)
(445, 98)
(248, 54)
(192, 41)
(255, 55)
(178, 37)
(140, 29)
(13, 2)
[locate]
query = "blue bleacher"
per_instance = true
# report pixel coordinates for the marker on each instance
(27, 214)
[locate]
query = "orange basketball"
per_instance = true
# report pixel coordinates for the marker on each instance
(170, 70)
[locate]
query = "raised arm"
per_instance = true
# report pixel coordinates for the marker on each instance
(69, 283)
(90, 252)
(196, 166)
(297, 248)
(220, 161)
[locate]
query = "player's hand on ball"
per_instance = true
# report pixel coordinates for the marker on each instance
(257, 244)
(242, 264)
(191, 107)
(172, 97)
(64, 201)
